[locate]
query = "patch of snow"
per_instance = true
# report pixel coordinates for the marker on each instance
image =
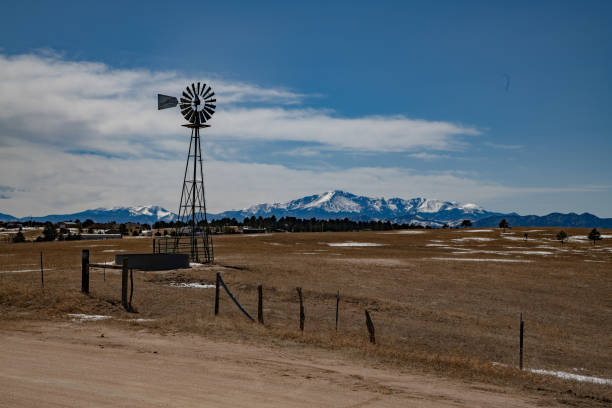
(79, 317)
(353, 244)
(26, 270)
(477, 230)
(514, 238)
(575, 377)
(480, 260)
(192, 285)
(534, 230)
(577, 238)
(407, 232)
(472, 239)
(481, 251)
(139, 320)
(435, 245)
(532, 252)
(550, 247)
(591, 260)
(114, 250)
(194, 264)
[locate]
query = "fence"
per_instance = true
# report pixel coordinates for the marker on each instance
(199, 247)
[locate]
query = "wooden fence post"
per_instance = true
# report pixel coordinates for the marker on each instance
(85, 271)
(124, 284)
(260, 317)
(302, 316)
(42, 272)
(131, 287)
(337, 306)
(217, 295)
(370, 326)
(521, 344)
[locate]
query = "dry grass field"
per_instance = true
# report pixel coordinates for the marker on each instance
(444, 302)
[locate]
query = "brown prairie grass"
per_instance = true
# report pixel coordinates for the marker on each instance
(447, 316)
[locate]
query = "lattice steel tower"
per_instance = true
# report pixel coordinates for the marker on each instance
(197, 105)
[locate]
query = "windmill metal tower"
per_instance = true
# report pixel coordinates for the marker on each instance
(197, 105)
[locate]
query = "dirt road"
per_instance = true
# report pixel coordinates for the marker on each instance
(97, 365)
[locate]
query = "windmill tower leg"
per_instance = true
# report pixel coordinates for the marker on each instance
(193, 232)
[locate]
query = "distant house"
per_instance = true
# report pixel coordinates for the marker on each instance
(249, 230)
(100, 236)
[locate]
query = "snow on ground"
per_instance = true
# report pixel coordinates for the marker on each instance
(194, 285)
(534, 230)
(577, 238)
(480, 260)
(407, 232)
(353, 244)
(26, 270)
(532, 252)
(94, 246)
(575, 377)
(549, 247)
(114, 250)
(591, 260)
(472, 239)
(435, 245)
(514, 238)
(79, 317)
(194, 264)
(565, 375)
(606, 236)
(478, 230)
(139, 320)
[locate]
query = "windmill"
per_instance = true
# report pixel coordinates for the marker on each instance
(197, 105)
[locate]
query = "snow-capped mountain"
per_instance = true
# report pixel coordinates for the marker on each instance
(341, 204)
(143, 214)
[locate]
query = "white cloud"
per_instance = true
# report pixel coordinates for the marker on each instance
(428, 156)
(89, 106)
(62, 182)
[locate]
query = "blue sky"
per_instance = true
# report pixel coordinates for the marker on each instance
(503, 104)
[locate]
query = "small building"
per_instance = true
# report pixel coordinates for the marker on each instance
(100, 236)
(249, 230)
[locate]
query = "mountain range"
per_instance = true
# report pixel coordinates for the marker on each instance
(341, 204)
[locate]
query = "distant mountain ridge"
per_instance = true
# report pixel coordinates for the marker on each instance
(341, 204)
(143, 214)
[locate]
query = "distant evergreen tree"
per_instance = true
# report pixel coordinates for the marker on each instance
(466, 223)
(561, 236)
(503, 224)
(19, 237)
(594, 235)
(49, 232)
